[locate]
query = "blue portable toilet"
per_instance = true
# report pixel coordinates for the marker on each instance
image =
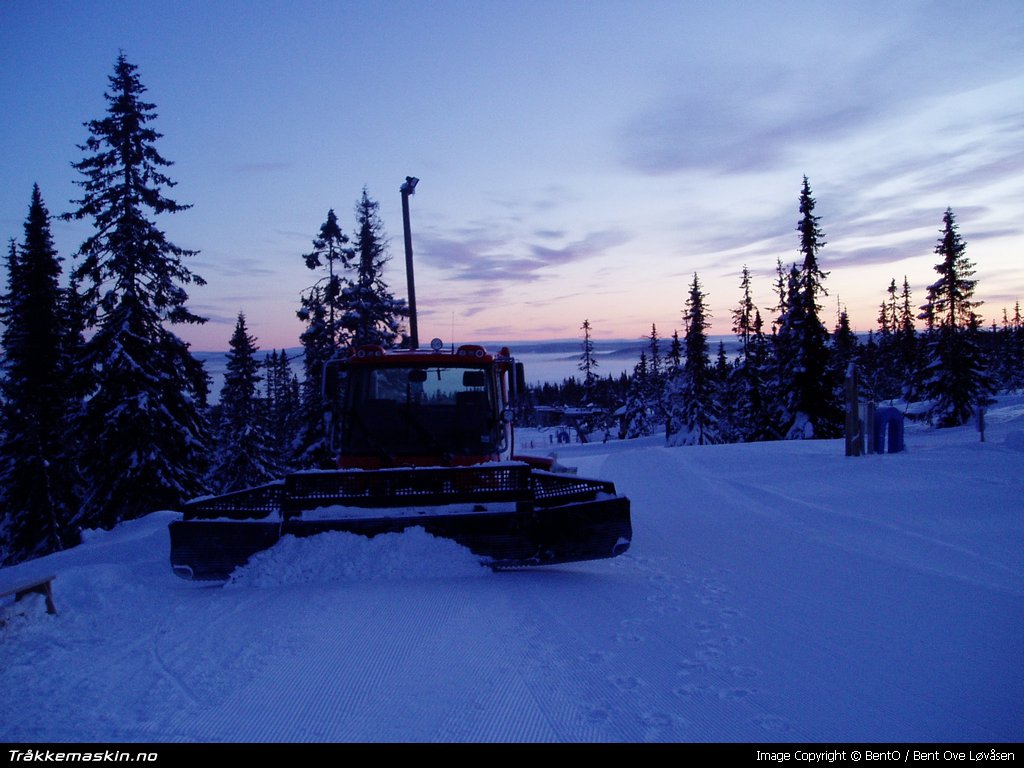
(888, 420)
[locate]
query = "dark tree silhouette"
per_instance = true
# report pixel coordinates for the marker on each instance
(810, 405)
(243, 455)
(37, 478)
(956, 377)
(142, 432)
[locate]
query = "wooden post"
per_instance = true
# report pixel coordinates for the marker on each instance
(854, 431)
(868, 425)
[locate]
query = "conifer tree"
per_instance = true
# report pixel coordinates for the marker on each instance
(956, 379)
(322, 308)
(811, 407)
(674, 358)
(1013, 332)
(745, 385)
(310, 446)
(282, 399)
(845, 349)
(722, 366)
(639, 416)
(743, 315)
(656, 374)
(372, 314)
(729, 417)
(909, 357)
(694, 411)
(37, 488)
(243, 456)
(330, 251)
(587, 363)
(144, 439)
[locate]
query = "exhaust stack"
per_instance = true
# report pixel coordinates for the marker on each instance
(409, 188)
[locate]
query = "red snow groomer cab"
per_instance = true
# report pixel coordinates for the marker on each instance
(422, 408)
(421, 438)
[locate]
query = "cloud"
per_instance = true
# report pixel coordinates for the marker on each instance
(749, 106)
(214, 314)
(234, 266)
(743, 123)
(500, 260)
(550, 234)
(594, 244)
(261, 168)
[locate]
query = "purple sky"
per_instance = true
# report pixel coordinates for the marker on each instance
(578, 160)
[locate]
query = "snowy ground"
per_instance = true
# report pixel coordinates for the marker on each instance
(773, 592)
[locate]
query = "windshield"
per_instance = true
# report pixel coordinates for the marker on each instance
(424, 411)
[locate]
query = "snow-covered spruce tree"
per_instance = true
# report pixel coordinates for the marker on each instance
(911, 350)
(885, 379)
(693, 407)
(745, 387)
(243, 453)
(310, 445)
(956, 379)
(761, 422)
(782, 354)
(330, 253)
(372, 314)
(322, 308)
(845, 352)
(282, 400)
(639, 418)
(672, 366)
(142, 430)
(656, 374)
(587, 364)
(743, 315)
(37, 487)
(1012, 350)
(728, 416)
(811, 406)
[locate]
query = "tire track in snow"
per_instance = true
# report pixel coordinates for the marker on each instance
(353, 680)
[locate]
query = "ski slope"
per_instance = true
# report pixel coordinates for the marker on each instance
(773, 592)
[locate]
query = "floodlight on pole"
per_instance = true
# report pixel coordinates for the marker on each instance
(409, 188)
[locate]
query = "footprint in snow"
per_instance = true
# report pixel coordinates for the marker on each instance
(772, 723)
(709, 653)
(745, 672)
(735, 694)
(626, 682)
(734, 641)
(691, 691)
(706, 626)
(715, 587)
(689, 667)
(658, 720)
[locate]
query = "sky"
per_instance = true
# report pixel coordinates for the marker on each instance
(771, 592)
(577, 160)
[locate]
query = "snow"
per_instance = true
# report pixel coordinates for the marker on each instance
(773, 592)
(346, 557)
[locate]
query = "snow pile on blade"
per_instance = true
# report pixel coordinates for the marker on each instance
(336, 556)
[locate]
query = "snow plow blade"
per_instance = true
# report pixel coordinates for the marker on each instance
(507, 514)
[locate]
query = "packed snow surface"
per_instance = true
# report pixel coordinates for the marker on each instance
(773, 592)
